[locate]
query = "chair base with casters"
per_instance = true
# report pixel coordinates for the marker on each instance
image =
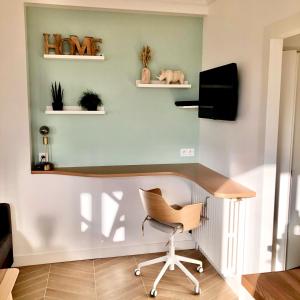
(171, 259)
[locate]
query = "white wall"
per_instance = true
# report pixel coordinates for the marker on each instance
(59, 218)
(234, 31)
(47, 211)
(292, 43)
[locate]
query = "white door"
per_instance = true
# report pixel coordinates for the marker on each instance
(293, 238)
(288, 97)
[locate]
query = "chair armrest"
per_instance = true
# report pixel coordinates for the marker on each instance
(190, 216)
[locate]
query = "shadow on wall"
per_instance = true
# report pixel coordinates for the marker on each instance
(92, 218)
(19, 241)
(46, 227)
(86, 217)
(98, 218)
(112, 217)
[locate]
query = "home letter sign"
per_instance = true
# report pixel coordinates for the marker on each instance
(89, 45)
(56, 46)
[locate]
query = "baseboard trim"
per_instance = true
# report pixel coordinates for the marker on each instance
(210, 260)
(102, 252)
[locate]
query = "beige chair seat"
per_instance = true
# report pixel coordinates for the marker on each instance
(164, 227)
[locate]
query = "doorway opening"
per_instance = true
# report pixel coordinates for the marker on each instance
(286, 238)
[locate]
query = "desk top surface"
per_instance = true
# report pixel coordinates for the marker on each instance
(274, 285)
(211, 181)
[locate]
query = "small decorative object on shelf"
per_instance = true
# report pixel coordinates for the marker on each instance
(57, 46)
(156, 84)
(89, 45)
(57, 96)
(145, 57)
(44, 164)
(90, 101)
(170, 76)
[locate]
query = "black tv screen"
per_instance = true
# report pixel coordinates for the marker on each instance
(218, 93)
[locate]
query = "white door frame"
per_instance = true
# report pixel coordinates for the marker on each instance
(285, 157)
(272, 124)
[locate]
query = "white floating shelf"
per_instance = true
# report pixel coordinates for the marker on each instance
(194, 106)
(74, 57)
(74, 110)
(160, 84)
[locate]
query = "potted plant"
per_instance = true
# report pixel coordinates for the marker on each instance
(90, 100)
(57, 96)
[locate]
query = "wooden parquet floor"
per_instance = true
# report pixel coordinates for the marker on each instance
(113, 279)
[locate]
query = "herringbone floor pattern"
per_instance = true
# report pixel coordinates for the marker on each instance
(113, 279)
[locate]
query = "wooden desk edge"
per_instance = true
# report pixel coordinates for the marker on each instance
(243, 193)
(248, 285)
(255, 288)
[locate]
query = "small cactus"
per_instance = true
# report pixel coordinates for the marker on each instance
(57, 96)
(57, 93)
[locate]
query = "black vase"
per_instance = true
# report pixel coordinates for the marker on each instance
(57, 105)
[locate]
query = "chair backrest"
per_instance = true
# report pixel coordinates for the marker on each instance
(159, 209)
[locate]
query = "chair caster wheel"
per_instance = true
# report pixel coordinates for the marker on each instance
(200, 269)
(153, 293)
(197, 290)
(137, 272)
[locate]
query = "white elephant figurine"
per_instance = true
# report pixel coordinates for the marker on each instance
(171, 76)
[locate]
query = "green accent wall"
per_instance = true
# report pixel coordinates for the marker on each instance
(142, 126)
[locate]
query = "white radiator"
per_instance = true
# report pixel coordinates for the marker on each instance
(221, 234)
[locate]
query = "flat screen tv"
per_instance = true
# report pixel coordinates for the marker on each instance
(218, 93)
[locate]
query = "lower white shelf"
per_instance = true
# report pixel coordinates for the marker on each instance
(74, 110)
(161, 84)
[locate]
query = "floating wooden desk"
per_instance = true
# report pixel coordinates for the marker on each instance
(8, 278)
(274, 285)
(211, 181)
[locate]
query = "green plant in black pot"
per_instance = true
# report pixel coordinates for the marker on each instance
(90, 100)
(57, 96)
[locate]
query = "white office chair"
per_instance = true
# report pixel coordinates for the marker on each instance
(171, 219)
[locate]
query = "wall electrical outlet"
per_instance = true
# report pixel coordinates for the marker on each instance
(43, 154)
(187, 152)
